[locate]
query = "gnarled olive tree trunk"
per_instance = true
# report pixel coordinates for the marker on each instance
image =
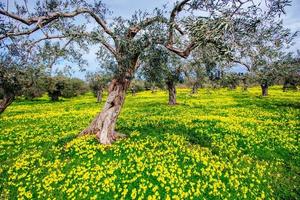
(6, 101)
(172, 92)
(264, 89)
(104, 123)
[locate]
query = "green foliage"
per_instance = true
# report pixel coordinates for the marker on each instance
(61, 86)
(231, 80)
(97, 81)
(137, 85)
(225, 144)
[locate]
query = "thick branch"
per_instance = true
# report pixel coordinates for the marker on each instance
(42, 21)
(172, 25)
(242, 63)
(182, 53)
(46, 38)
(109, 47)
(133, 30)
(15, 17)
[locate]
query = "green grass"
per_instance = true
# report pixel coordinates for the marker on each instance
(213, 145)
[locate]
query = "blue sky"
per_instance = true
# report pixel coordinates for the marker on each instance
(126, 8)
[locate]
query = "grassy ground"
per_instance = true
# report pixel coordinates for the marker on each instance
(213, 145)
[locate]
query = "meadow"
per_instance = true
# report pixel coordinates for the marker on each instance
(218, 144)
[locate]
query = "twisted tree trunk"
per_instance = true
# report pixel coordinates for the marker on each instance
(6, 101)
(172, 92)
(104, 123)
(264, 89)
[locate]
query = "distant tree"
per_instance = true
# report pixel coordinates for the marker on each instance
(205, 66)
(195, 76)
(290, 71)
(11, 83)
(246, 80)
(36, 88)
(62, 86)
(262, 51)
(204, 22)
(74, 87)
(138, 85)
(97, 84)
(17, 67)
(231, 80)
(163, 68)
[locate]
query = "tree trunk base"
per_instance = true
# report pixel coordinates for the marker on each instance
(104, 123)
(7, 100)
(172, 93)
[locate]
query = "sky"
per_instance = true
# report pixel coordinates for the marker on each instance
(126, 8)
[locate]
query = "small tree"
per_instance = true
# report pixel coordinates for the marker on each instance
(61, 86)
(97, 84)
(290, 71)
(231, 80)
(163, 68)
(17, 67)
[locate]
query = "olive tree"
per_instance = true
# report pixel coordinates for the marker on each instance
(261, 51)
(62, 86)
(290, 71)
(127, 40)
(163, 68)
(204, 65)
(17, 67)
(97, 83)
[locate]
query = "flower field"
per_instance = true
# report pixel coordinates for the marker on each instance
(214, 145)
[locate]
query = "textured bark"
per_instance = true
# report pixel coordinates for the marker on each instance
(172, 92)
(5, 102)
(264, 89)
(99, 95)
(104, 123)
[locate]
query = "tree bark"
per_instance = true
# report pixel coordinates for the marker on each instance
(6, 101)
(104, 123)
(264, 89)
(99, 95)
(172, 92)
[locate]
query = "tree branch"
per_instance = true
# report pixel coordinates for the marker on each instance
(42, 21)
(172, 25)
(109, 47)
(242, 63)
(182, 53)
(57, 55)
(133, 30)
(46, 38)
